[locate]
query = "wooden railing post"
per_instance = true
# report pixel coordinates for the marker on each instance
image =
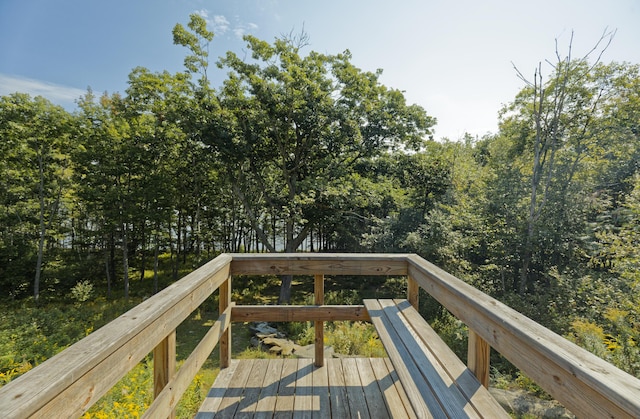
(318, 292)
(413, 292)
(164, 365)
(225, 339)
(478, 357)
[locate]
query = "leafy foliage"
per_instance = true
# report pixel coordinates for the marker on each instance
(303, 151)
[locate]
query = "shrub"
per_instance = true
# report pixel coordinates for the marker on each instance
(354, 338)
(81, 291)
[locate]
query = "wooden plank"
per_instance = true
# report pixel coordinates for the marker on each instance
(442, 385)
(319, 263)
(170, 395)
(214, 397)
(164, 367)
(387, 382)
(303, 403)
(286, 390)
(321, 403)
(582, 382)
(355, 393)
(373, 395)
(465, 380)
(269, 392)
(423, 401)
(283, 313)
(253, 386)
(224, 301)
(413, 292)
(235, 390)
(337, 389)
(401, 392)
(318, 326)
(69, 383)
(478, 357)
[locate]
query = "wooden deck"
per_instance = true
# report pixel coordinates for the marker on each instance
(286, 388)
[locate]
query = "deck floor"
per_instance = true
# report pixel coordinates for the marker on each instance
(286, 388)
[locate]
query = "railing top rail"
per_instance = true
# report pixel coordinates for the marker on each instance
(583, 382)
(319, 263)
(76, 377)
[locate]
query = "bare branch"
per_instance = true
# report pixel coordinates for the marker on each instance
(297, 40)
(608, 36)
(520, 75)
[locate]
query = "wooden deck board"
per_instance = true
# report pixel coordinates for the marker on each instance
(355, 392)
(321, 402)
(295, 388)
(373, 396)
(269, 392)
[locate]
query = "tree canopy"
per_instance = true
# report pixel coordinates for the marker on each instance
(302, 151)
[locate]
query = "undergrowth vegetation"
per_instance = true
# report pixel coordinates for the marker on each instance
(31, 334)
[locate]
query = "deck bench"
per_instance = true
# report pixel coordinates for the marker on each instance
(436, 381)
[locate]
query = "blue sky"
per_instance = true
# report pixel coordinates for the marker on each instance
(451, 57)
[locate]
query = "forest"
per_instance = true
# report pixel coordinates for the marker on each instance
(301, 151)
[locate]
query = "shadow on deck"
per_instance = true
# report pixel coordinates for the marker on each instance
(342, 388)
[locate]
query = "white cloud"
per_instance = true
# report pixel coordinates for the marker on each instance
(220, 24)
(54, 92)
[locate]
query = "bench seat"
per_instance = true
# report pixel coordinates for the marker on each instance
(437, 382)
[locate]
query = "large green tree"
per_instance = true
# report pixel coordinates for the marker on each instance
(37, 137)
(289, 127)
(300, 124)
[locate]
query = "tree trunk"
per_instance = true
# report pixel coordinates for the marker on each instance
(42, 231)
(107, 271)
(112, 260)
(155, 265)
(143, 251)
(125, 261)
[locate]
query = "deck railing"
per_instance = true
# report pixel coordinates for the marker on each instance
(72, 381)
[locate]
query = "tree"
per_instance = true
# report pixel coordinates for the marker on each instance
(560, 113)
(38, 137)
(288, 129)
(300, 124)
(107, 170)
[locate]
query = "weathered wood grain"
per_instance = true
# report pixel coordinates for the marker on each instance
(447, 362)
(251, 396)
(303, 403)
(337, 389)
(318, 263)
(164, 367)
(318, 325)
(269, 391)
(286, 390)
(373, 396)
(69, 383)
(582, 382)
(387, 381)
(214, 397)
(321, 408)
(478, 357)
(168, 398)
(282, 313)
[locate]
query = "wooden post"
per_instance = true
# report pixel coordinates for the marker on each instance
(164, 365)
(478, 357)
(318, 292)
(413, 292)
(225, 338)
